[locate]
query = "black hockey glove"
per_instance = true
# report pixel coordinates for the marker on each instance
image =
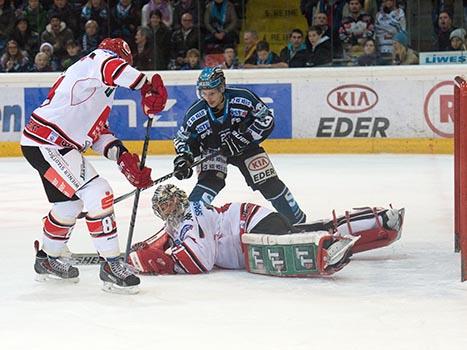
(182, 166)
(235, 143)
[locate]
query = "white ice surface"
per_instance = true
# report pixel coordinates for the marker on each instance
(406, 296)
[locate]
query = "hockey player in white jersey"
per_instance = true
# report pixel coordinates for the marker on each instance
(196, 237)
(72, 119)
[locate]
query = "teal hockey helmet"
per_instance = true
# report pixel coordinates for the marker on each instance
(211, 78)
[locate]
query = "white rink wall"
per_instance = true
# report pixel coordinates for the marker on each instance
(353, 105)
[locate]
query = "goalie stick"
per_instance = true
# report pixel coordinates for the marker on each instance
(94, 259)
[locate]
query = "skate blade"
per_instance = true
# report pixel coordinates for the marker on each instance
(42, 278)
(110, 287)
(336, 254)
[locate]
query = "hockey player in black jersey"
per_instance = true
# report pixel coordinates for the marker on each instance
(234, 121)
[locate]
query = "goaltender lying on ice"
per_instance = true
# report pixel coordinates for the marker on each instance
(196, 237)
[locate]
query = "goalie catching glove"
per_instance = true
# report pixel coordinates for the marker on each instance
(235, 143)
(130, 167)
(153, 96)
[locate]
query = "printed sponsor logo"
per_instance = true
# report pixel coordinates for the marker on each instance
(438, 109)
(360, 127)
(305, 258)
(197, 208)
(258, 163)
(184, 231)
(352, 98)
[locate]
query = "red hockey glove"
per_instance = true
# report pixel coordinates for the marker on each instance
(153, 96)
(129, 166)
(152, 260)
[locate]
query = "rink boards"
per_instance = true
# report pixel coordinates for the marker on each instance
(319, 110)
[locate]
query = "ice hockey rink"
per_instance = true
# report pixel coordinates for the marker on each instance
(405, 296)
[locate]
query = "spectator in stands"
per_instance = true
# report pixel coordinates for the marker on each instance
(185, 6)
(265, 58)
(307, 7)
(91, 37)
(370, 55)
(250, 39)
(41, 63)
(97, 11)
(27, 39)
(48, 49)
(402, 54)
(73, 54)
(318, 52)
(321, 19)
(143, 57)
(157, 5)
(333, 10)
(160, 40)
(445, 28)
(438, 6)
(7, 22)
(125, 17)
(67, 14)
(57, 33)
(295, 45)
(185, 38)
(230, 58)
(14, 59)
(458, 40)
(193, 60)
(36, 15)
(220, 20)
(355, 29)
(389, 21)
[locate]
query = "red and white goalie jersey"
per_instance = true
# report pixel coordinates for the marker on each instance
(76, 110)
(210, 236)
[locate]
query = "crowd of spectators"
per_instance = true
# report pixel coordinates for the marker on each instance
(51, 35)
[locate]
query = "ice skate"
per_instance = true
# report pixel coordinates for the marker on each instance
(393, 220)
(118, 277)
(339, 251)
(49, 268)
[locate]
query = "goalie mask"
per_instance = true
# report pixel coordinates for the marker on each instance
(170, 204)
(118, 46)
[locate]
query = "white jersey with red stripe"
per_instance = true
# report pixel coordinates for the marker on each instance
(75, 112)
(210, 236)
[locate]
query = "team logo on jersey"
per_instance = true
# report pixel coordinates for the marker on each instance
(185, 229)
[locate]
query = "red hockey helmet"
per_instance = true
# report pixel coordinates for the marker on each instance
(119, 46)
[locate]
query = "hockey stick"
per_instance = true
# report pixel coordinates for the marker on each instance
(138, 190)
(158, 181)
(167, 176)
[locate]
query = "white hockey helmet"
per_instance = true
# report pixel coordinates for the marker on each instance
(170, 203)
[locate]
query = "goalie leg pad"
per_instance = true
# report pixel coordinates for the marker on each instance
(293, 255)
(377, 227)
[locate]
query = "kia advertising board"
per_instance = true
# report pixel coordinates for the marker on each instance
(382, 108)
